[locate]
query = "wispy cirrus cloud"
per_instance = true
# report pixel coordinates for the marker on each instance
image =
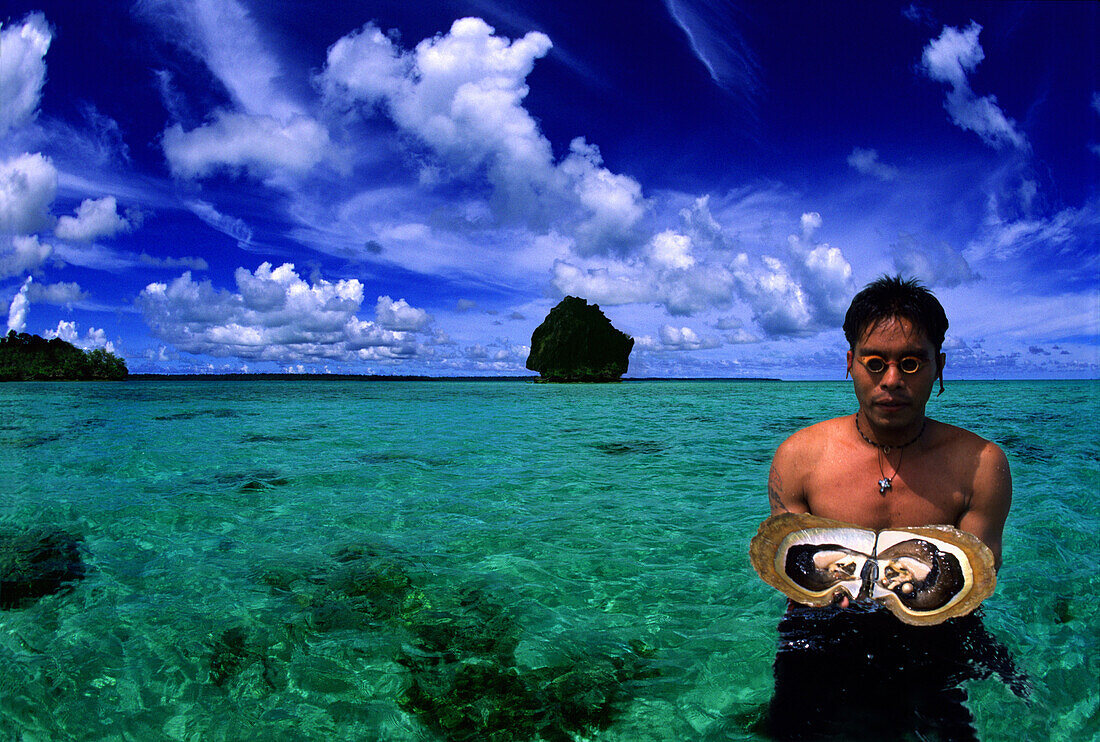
(949, 59)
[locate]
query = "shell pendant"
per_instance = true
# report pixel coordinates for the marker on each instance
(883, 485)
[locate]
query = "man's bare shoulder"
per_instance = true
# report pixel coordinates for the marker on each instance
(963, 440)
(810, 438)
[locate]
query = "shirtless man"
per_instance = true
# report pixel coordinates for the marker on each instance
(888, 465)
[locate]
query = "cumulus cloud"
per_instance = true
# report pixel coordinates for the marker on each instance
(671, 249)
(948, 59)
(683, 338)
(20, 254)
(274, 315)
(23, 50)
(823, 274)
(936, 265)
(601, 285)
(93, 338)
(699, 223)
(63, 293)
(779, 305)
(259, 145)
(20, 305)
(866, 161)
(806, 294)
(94, 218)
(461, 95)
(28, 185)
(398, 315)
(612, 204)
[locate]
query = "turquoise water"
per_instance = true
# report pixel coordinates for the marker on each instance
(311, 560)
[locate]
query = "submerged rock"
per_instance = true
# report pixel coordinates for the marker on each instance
(576, 342)
(36, 563)
(457, 642)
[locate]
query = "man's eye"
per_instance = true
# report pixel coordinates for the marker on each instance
(910, 364)
(874, 364)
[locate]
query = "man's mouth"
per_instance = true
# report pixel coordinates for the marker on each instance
(891, 404)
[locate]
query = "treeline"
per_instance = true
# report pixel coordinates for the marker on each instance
(25, 357)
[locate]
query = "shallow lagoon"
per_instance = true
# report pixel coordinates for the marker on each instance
(312, 560)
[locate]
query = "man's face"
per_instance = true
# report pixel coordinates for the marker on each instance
(892, 399)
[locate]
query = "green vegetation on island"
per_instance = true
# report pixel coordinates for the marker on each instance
(576, 342)
(25, 357)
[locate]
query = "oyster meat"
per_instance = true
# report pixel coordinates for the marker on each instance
(923, 575)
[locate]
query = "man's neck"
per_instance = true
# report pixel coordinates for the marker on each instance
(890, 437)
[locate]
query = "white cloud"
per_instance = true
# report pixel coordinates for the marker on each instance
(936, 265)
(17, 310)
(866, 161)
(224, 36)
(778, 303)
(21, 254)
(461, 94)
(398, 315)
(365, 65)
(265, 133)
(601, 285)
(28, 185)
(93, 338)
(718, 44)
(683, 338)
(62, 294)
(260, 145)
(823, 274)
(811, 222)
(612, 203)
(23, 50)
(191, 263)
(671, 249)
(275, 315)
(1004, 237)
(94, 218)
(236, 228)
(700, 224)
(949, 59)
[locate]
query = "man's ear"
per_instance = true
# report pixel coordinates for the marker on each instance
(941, 361)
(848, 370)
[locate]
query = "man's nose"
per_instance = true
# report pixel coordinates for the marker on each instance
(892, 376)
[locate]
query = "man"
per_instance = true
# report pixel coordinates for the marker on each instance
(852, 670)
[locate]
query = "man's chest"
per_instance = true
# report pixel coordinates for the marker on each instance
(878, 495)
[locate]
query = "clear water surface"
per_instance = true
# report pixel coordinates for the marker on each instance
(297, 560)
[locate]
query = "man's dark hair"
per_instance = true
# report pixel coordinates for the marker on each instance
(894, 296)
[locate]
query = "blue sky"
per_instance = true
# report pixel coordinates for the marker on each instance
(407, 188)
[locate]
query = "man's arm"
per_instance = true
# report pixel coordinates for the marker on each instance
(990, 500)
(785, 491)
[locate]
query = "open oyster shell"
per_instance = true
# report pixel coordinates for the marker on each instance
(923, 575)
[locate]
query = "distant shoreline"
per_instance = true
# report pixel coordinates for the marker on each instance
(382, 377)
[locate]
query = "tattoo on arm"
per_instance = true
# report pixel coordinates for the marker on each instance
(775, 487)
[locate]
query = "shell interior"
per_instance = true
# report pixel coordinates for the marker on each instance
(923, 575)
